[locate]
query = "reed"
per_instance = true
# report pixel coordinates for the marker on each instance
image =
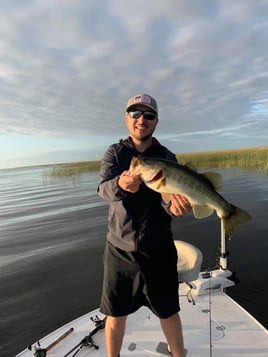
(250, 158)
(73, 169)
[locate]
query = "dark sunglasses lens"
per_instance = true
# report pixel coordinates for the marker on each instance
(147, 115)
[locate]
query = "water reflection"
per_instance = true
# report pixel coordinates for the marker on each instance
(51, 239)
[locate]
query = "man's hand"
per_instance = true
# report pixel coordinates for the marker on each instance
(129, 183)
(179, 205)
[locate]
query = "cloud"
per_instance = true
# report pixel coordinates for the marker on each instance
(68, 67)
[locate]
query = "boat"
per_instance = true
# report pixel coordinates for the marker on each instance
(213, 323)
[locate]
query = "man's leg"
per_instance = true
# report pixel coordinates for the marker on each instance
(114, 333)
(173, 331)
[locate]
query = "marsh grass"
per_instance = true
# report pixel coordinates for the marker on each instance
(252, 158)
(73, 169)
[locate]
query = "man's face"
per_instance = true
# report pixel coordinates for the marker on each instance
(140, 128)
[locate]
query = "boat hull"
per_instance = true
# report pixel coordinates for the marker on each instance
(211, 323)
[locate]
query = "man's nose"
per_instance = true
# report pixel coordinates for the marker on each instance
(141, 118)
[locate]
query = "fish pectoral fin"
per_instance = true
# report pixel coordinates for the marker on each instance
(161, 183)
(202, 211)
(165, 197)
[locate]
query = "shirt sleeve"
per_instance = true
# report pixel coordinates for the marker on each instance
(108, 188)
(166, 205)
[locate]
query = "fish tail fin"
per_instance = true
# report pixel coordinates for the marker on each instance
(231, 222)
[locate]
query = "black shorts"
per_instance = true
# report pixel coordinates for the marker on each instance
(135, 279)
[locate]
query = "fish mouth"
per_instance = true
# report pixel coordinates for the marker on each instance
(156, 177)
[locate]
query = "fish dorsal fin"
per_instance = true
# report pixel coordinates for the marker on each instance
(202, 211)
(191, 166)
(165, 197)
(215, 178)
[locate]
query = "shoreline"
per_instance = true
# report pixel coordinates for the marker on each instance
(249, 158)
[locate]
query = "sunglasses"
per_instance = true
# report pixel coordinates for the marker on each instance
(146, 114)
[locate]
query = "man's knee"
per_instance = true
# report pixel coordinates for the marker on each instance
(115, 322)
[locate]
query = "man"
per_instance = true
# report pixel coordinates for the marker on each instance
(139, 234)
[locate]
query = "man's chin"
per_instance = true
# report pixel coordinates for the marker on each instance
(143, 137)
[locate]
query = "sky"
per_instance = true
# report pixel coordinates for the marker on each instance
(68, 67)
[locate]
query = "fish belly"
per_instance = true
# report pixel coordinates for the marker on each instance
(197, 193)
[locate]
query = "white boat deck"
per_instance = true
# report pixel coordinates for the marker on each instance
(232, 332)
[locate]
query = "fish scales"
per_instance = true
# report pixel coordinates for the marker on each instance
(168, 178)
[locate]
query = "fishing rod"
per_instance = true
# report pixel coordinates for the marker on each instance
(42, 352)
(88, 340)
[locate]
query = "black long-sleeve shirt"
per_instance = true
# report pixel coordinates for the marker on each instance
(136, 221)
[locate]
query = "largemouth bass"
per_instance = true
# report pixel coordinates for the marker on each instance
(168, 177)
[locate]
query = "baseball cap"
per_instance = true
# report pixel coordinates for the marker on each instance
(143, 99)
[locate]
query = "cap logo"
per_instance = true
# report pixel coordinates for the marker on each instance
(142, 99)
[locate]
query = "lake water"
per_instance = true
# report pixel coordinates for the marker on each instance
(52, 234)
